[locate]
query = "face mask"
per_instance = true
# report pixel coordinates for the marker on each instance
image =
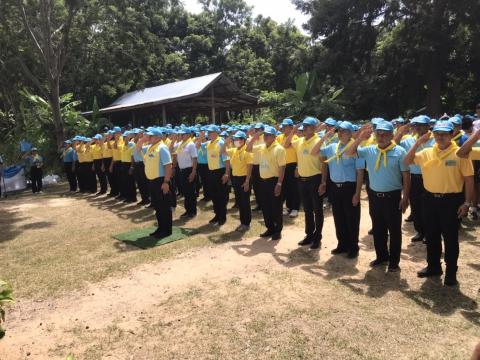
(237, 143)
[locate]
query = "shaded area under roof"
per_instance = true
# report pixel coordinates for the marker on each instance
(202, 95)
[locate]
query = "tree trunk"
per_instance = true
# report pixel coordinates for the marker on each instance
(57, 117)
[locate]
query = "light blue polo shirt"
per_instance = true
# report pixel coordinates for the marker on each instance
(346, 169)
(202, 155)
(138, 155)
(69, 155)
(407, 145)
(388, 178)
(165, 159)
(75, 155)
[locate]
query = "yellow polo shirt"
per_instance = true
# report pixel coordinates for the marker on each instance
(445, 174)
(271, 159)
(117, 153)
(260, 141)
(307, 164)
(87, 154)
(214, 154)
(291, 154)
(239, 160)
(106, 152)
(80, 149)
(127, 152)
(96, 151)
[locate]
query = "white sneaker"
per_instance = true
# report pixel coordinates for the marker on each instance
(293, 213)
(286, 212)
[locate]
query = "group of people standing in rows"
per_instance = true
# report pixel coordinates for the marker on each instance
(422, 163)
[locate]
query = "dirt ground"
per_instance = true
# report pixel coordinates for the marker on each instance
(217, 295)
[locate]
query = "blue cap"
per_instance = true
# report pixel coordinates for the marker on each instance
(240, 135)
(422, 120)
(331, 121)
(110, 132)
(33, 149)
(127, 133)
(446, 126)
(67, 142)
(399, 120)
(117, 129)
(259, 126)
(384, 126)
(287, 122)
(377, 120)
(432, 121)
(300, 128)
(310, 121)
(224, 134)
(355, 127)
(214, 128)
(455, 120)
(269, 130)
(98, 137)
(346, 125)
(87, 139)
(154, 132)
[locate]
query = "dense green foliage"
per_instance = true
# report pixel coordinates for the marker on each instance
(6, 298)
(364, 58)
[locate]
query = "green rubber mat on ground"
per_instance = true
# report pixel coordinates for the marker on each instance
(142, 239)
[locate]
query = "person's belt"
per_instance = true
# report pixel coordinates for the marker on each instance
(308, 178)
(416, 175)
(444, 196)
(387, 194)
(344, 184)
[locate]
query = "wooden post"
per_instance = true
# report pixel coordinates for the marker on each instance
(164, 115)
(213, 105)
(254, 110)
(133, 119)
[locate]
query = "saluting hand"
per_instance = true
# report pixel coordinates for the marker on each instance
(404, 129)
(365, 132)
(424, 138)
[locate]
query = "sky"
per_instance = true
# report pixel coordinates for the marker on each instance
(278, 10)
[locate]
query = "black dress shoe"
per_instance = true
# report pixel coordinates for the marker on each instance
(418, 237)
(378, 262)
(315, 246)
(338, 251)
(184, 215)
(450, 280)
(162, 235)
(266, 234)
(257, 208)
(370, 232)
(305, 241)
(221, 222)
(426, 272)
(277, 236)
(393, 268)
(409, 218)
(155, 233)
(214, 220)
(191, 216)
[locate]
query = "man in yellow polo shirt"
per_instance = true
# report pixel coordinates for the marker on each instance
(158, 170)
(310, 172)
(97, 153)
(445, 175)
(241, 163)
(272, 162)
(107, 156)
(116, 165)
(79, 150)
(127, 187)
(88, 167)
(290, 188)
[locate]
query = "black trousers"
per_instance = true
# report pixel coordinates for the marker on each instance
(102, 178)
(290, 187)
(242, 199)
(127, 187)
(106, 163)
(387, 220)
(417, 192)
(36, 175)
(219, 193)
(202, 170)
(116, 178)
(369, 193)
(81, 176)
(178, 182)
(313, 207)
(78, 176)
(441, 220)
(345, 215)
(271, 205)
(72, 180)
(162, 206)
(256, 181)
(141, 180)
(188, 190)
(89, 176)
